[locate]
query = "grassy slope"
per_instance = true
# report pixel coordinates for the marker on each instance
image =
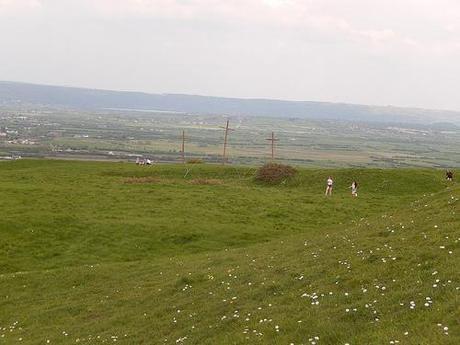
(58, 213)
(97, 273)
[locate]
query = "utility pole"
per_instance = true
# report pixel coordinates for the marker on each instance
(273, 140)
(227, 129)
(182, 151)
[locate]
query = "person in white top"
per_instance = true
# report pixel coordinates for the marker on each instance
(354, 188)
(330, 183)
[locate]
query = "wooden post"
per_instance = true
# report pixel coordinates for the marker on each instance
(273, 139)
(224, 155)
(183, 147)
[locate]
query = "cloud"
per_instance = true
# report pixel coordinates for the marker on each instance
(18, 6)
(398, 26)
(377, 24)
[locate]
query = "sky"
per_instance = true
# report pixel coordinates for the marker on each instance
(380, 52)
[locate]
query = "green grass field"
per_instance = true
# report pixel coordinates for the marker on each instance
(112, 252)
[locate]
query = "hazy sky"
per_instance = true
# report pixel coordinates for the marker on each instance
(399, 52)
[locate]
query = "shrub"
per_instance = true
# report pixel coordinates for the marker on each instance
(273, 173)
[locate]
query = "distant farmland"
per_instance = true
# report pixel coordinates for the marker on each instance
(125, 135)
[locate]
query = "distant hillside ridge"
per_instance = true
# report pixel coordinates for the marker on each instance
(14, 93)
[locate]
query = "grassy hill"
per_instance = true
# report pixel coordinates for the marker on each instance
(107, 252)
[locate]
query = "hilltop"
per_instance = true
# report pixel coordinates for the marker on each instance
(105, 252)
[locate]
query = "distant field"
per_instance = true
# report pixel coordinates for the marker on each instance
(124, 134)
(201, 254)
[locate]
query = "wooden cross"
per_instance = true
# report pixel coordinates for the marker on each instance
(273, 140)
(182, 151)
(227, 129)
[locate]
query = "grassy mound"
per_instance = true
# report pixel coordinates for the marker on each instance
(279, 265)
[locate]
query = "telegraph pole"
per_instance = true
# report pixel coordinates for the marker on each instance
(272, 139)
(227, 129)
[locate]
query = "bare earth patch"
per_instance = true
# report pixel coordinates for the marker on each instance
(205, 181)
(143, 180)
(159, 180)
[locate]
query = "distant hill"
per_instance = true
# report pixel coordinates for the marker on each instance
(80, 98)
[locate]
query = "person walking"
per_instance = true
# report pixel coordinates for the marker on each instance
(329, 186)
(354, 188)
